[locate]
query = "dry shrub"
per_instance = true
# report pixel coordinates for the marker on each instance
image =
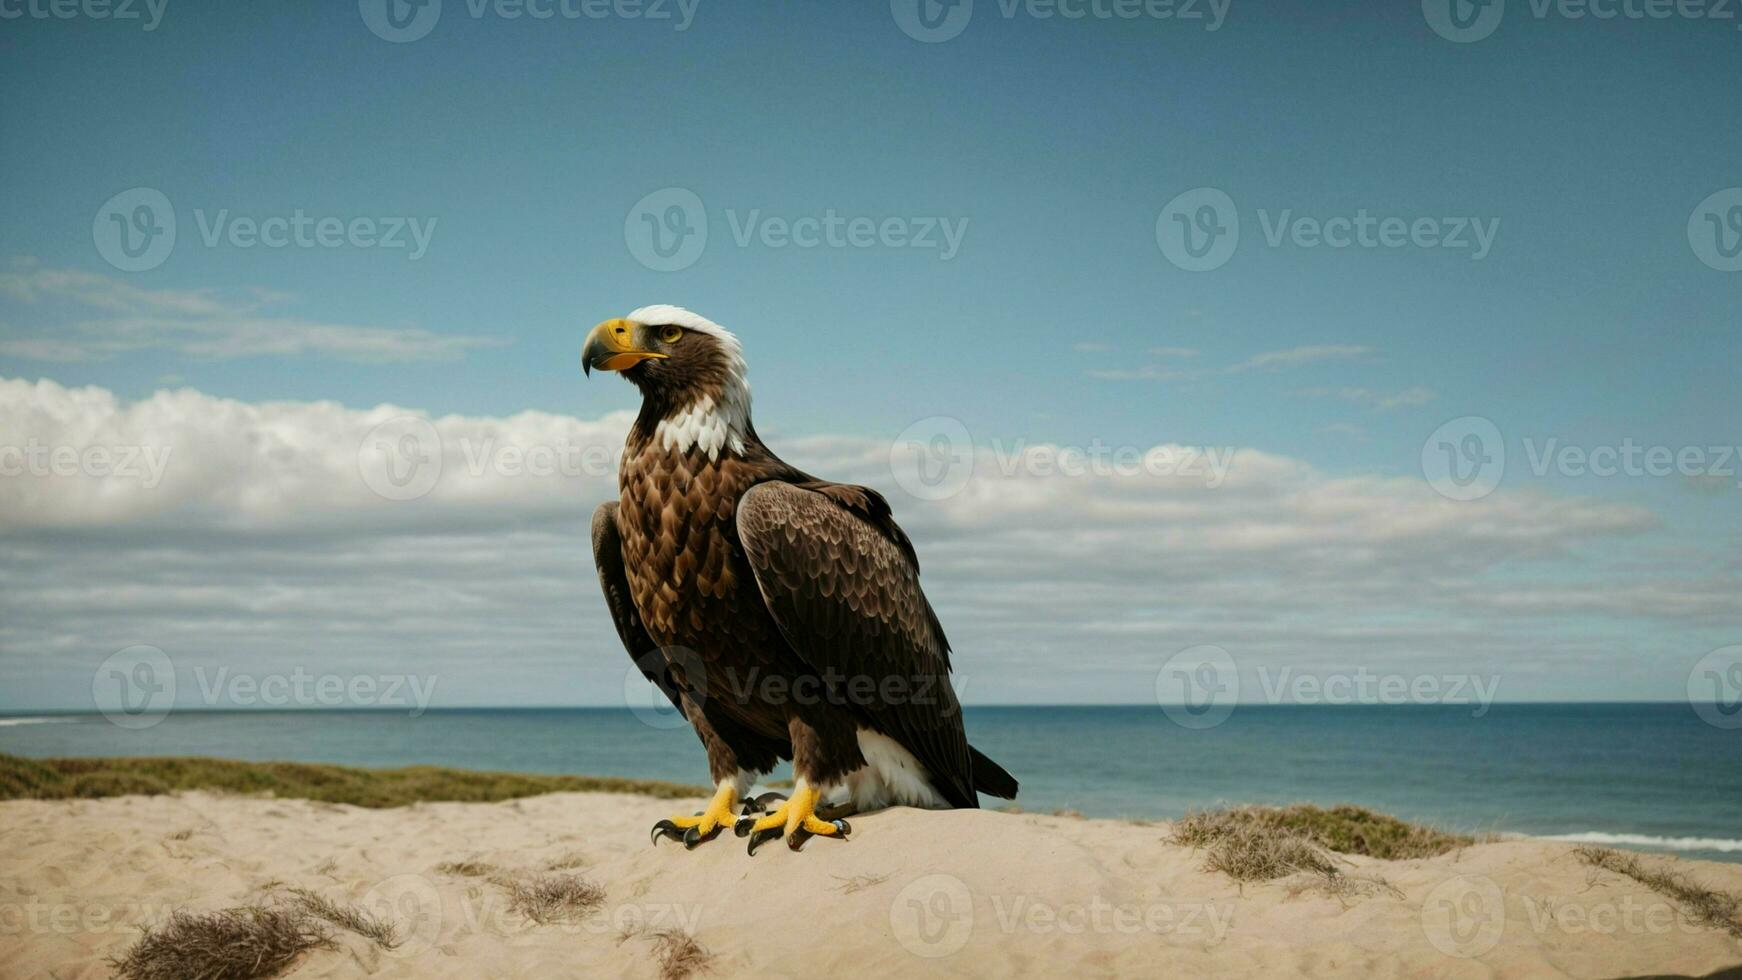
(234, 944)
(54, 779)
(1345, 888)
(1707, 906)
(1344, 829)
(1248, 853)
(679, 954)
(467, 869)
(548, 898)
(573, 859)
(347, 917)
(858, 883)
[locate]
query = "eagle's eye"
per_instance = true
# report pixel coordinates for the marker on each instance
(670, 335)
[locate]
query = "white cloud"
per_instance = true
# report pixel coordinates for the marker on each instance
(1268, 361)
(1381, 401)
(264, 543)
(238, 464)
(1342, 429)
(199, 323)
(1147, 372)
(1277, 360)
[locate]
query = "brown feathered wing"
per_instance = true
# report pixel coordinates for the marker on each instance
(841, 581)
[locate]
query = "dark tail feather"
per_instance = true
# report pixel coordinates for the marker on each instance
(990, 777)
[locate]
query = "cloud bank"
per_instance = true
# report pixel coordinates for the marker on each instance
(344, 539)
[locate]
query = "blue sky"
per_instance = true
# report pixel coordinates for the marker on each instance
(1586, 145)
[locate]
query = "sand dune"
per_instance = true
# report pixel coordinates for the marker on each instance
(955, 894)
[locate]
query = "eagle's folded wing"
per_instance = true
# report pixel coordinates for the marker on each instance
(608, 556)
(845, 593)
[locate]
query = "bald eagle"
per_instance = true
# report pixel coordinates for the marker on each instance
(780, 613)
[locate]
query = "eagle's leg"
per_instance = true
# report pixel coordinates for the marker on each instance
(824, 751)
(706, 825)
(797, 819)
(732, 779)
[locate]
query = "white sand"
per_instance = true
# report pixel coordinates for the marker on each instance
(960, 893)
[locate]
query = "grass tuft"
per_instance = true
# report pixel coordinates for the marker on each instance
(1343, 887)
(1248, 853)
(547, 898)
(679, 954)
(857, 883)
(234, 944)
(348, 917)
(467, 869)
(57, 779)
(95, 785)
(573, 859)
(1260, 843)
(1344, 829)
(1707, 906)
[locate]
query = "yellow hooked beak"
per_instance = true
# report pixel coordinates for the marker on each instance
(616, 345)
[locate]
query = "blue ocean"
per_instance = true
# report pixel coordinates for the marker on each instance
(1650, 776)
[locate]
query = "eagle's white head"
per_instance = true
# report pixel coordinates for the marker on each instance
(691, 373)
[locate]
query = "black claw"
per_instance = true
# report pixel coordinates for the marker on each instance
(665, 828)
(745, 822)
(760, 837)
(693, 838)
(801, 835)
(767, 798)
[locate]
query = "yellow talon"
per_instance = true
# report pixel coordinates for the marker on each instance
(705, 825)
(797, 819)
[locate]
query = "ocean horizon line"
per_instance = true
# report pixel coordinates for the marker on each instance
(17, 713)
